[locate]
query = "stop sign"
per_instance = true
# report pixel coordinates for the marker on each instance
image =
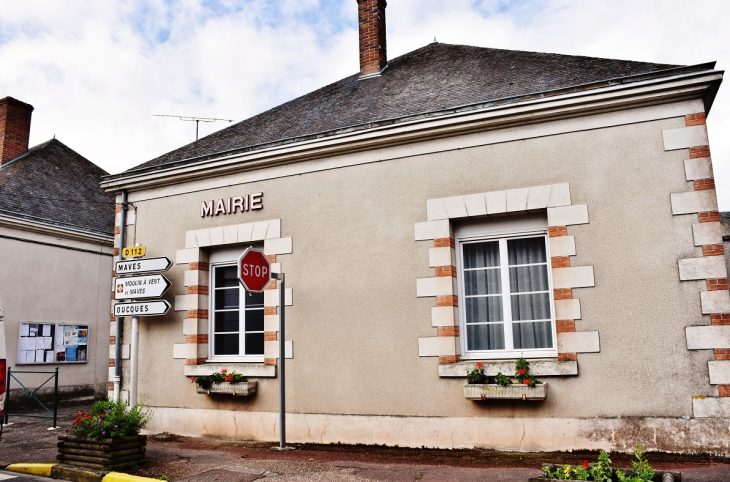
(254, 270)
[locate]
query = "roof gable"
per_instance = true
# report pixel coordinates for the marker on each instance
(54, 184)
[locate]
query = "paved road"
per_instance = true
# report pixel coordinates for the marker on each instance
(13, 477)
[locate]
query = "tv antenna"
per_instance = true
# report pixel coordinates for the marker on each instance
(197, 120)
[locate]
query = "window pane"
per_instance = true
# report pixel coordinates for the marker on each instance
(226, 299)
(226, 276)
(526, 251)
(485, 337)
(227, 344)
(528, 278)
(531, 307)
(254, 320)
(254, 343)
(532, 335)
(254, 299)
(481, 255)
(482, 282)
(226, 321)
(487, 308)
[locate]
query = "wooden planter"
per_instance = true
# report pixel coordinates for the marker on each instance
(493, 391)
(242, 389)
(106, 454)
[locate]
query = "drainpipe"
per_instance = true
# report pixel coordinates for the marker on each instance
(120, 321)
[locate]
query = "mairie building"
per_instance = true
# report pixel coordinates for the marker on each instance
(452, 206)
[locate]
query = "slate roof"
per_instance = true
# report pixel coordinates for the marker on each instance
(56, 185)
(433, 78)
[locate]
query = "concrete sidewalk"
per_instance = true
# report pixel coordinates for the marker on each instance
(223, 460)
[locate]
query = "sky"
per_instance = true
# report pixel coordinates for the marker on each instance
(97, 72)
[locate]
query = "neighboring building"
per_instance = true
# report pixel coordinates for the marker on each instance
(56, 246)
(453, 206)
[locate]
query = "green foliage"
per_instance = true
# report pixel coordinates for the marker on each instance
(503, 380)
(164, 477)
(601, 471)
(643, 472)
(219, 377)
(109, 419)
(476, 376)
(522, 373)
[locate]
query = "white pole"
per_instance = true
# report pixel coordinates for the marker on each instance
(134, 360)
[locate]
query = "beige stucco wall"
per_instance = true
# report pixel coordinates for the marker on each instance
(356, 320)
(47, 279)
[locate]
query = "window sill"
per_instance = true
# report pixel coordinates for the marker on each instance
(256, 370)
(539, 368)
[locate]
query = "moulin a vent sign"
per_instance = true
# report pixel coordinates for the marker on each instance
(232, 205)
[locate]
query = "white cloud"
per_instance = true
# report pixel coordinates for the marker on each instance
(97, 71)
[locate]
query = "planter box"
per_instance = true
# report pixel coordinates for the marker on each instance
(243, 389)
(492, 391)
(106, 454)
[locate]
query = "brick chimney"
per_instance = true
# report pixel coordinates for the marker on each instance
(371, 20)
(14, 128)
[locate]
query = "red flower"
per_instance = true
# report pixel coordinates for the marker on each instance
(480, 364)
(192, 379)
(586, 465)
(228, 378)
(522, 371)
(224, 371)
(526, 381)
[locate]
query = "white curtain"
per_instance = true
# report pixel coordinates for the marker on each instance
(529, 294)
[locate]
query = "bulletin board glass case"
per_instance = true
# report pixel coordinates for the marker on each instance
(52, 343)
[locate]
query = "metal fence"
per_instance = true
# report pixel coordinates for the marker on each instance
(31, 395)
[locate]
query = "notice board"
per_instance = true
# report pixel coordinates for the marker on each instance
(52, 343)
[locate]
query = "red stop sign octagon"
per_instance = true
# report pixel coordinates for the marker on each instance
(254, 270)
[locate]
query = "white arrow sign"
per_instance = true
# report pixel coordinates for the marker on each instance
(142, 308)
(136, 287)
(135, 266)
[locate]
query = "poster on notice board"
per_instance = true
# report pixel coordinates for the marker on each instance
(52, 343)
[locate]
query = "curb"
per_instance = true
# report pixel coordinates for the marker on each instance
(74, 473)
(32, 469)
(120, 477)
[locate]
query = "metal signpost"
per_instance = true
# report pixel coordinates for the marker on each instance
(139, 287)
(254, 274)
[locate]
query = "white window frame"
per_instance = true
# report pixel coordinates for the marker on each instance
(519, 227)
(222, 259)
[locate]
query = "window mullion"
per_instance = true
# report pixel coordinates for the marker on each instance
(506, 300)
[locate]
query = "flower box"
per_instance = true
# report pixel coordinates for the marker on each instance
(492, 391)
(241, 389)
(106, 454)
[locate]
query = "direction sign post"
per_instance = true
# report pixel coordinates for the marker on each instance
(136, 287)
(137, 266)
(142, 308)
